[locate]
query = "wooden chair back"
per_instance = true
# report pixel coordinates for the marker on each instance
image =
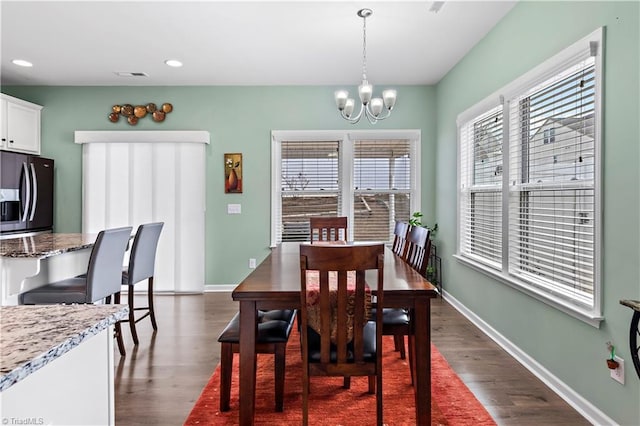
(400, 238)
(328, 228)
(322, 355)
(419, 246)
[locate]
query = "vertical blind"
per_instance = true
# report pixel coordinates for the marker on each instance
(552, 183)
(382, 187)
(310, 186)
(481, 188)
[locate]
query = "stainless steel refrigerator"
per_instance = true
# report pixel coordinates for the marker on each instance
(26, 194)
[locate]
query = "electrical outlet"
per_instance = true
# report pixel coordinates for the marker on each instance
(618, 373)
(252, 263)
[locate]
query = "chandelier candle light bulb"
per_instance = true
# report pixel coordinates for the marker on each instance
(370, 107)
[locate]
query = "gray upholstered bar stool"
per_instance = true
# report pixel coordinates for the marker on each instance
(142, 262)
(101, 281)
(274, 328)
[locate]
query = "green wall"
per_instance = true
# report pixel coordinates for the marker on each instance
(239, 119)
(570, 349)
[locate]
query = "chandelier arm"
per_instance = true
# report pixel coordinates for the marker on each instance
(352, 119)
(386, 112)
(383, 114)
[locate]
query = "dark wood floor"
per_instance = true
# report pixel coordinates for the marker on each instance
(158, 382)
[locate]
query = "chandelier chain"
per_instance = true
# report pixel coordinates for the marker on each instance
(364, 48)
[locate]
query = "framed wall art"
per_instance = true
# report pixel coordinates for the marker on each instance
(233, 173)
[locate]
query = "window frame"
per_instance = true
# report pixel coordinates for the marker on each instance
(346, 141)
(591, 45)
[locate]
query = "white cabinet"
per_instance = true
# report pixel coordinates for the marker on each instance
(19, 125)
(75, 389)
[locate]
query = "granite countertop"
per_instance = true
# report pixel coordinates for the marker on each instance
(31, 336)
(45, 245)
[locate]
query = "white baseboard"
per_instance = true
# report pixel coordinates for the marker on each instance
(577, 401)
(210, 288)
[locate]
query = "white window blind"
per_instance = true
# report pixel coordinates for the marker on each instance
(309, 185)
(552, 183)
(382, 187)
(533, 220)
(371, 177)
(481, 188)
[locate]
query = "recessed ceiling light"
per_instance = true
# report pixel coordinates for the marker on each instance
(173, 63)
(22, 63)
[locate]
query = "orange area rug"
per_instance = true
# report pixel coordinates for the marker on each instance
(452, 403)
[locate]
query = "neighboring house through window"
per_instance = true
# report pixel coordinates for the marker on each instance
(537, 225)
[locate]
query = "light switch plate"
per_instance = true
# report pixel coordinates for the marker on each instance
(234, 209)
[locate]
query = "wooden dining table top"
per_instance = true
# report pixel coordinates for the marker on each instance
(278, 276)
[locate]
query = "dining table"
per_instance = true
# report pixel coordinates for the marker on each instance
(275, 284)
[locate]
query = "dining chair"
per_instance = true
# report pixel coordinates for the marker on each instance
(400, 238)
(337, 338)
(418, 248)
(101, 282)
(141, 267)
(397, 321)
(328, 228)
(274, 328)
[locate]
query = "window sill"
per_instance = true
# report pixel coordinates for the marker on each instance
(575, 311)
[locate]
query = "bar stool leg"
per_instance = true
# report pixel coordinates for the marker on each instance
(116, 327)
(152, 313)
(132, 317)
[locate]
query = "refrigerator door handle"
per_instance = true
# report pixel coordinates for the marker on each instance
(28, 200)
(35, 191)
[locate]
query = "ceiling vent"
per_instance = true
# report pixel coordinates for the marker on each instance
(131, 74)
(436, 6)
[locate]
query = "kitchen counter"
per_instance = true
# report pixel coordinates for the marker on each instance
(57, 364)
(33, 336)
(45, 245)
(30, 262)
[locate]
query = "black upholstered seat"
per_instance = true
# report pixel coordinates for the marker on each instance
(368, 340)
(274, 328)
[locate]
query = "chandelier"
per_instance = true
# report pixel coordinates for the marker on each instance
(369, 107)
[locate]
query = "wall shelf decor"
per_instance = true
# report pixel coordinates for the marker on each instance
(133, 113)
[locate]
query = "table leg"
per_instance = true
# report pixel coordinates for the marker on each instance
(422, 360)
(247, 390)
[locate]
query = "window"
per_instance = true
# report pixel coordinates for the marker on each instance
(370, 177)
(481, 188)
(536, 226)
(549, 135)
(309, 185)
(382, 187)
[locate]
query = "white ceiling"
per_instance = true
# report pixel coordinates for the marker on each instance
(238, 43)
